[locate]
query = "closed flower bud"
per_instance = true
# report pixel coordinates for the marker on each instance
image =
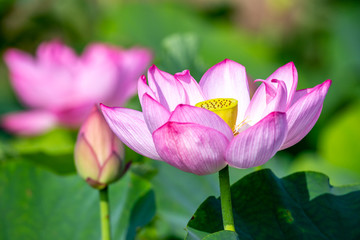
(99, 154)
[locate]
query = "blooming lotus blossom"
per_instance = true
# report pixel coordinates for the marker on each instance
(202, 127)
(99, 154)
(60, 87)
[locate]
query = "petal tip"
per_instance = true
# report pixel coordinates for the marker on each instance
(225, 61)
(9, 53)
(325, 86)
(13, 55)
(328, 82)
(104, 108)
(181, 105)
(292, 64)
(153, 68)
(183, 73)
(146, 97)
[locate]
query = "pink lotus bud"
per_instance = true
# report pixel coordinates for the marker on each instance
(99, 154)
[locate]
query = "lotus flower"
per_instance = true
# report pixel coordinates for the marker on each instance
(99, 154)
(60, 87)
(200, 128)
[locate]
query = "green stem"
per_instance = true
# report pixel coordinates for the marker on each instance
(225, 195)
(104, 214)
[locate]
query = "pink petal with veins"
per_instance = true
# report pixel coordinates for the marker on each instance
(257, 144)
(192, 89)
(227, 79)
(168, 90)
(304, 113)
(191, 147)
(268, 98)
(288, 74)
(129, 125)
(155, 114)
(201, 116)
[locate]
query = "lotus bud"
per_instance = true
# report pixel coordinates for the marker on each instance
(99, 154)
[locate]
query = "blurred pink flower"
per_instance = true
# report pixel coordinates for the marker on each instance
(60, 87)
(171, 128)
(99, 154)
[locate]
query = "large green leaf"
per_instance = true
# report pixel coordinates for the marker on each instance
(179, 193)
(221, 235)
(37, 204)
(228, 235)
(300, 206)
(175, 196)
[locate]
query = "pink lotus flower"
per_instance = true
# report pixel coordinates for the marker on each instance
(60, 87)
(99, 154)
(225, 126)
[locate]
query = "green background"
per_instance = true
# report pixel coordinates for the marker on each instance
(38, 185)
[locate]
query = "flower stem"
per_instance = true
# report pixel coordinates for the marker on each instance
(225, 195)
(104, 214)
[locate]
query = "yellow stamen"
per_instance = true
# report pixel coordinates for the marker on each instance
(238, 127)
(226, 108)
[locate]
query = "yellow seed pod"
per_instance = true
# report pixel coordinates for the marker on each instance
(226, 108)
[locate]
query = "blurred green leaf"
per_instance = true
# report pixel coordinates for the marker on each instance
(341, 56)
(338, 175)
(153, 20)
(300, 206)
(180, 53)
(37, 204)
(339, 141)
(53, 150)
(181, 49)
(7, 98)
(226, 41)
(25, 24)
(215, 41)
(142, 213)
(54, 142)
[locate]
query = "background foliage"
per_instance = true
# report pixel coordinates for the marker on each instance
(321, 37)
